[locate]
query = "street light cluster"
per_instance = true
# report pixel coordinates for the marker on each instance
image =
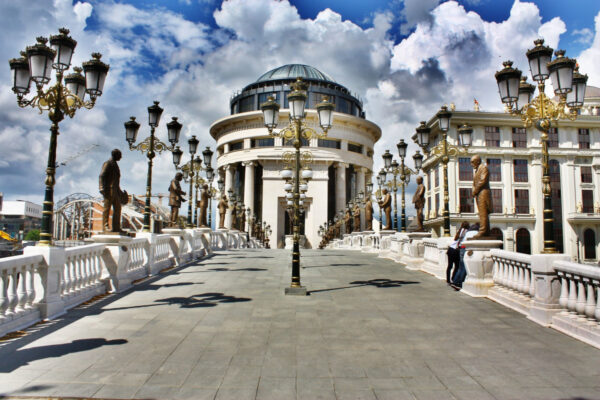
(35, 65)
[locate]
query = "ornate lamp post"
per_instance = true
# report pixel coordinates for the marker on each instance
(35, 65)
(569, 85)
(405, 174)
(151, 145)
(392, 167)
(210, 175)
(444, 150)
(378, 196)
(296, 130)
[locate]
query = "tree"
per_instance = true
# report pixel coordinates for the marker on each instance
(33, 234)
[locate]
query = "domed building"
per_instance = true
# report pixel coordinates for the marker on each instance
(250, 160)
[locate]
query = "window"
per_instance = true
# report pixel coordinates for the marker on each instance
(438, 206)
(429, 180)
(329, 143)
(521, 201)
(494, 166)
(466, 200)
(356, 148)
(496, 233)
(496, 201)
(263, 97)
(436, 177)
(263, 142)
(519, 137)
(290, 142)
(492, 136)
(247, 104)
(587, 201)
(342, 105)
(239, 145)
(584, 138)
(553, 137)
(520, 170)
(589, 245)
(316, 98)
(523, 240)
(586, 174)
(465, 170)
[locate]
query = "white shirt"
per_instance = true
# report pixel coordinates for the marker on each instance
(461, 237)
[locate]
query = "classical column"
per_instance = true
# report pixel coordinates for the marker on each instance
(536, 203)
(228, 185)
(360, 186)
(340, 186)
(249, 187)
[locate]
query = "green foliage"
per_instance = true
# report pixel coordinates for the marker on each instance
(33, 234)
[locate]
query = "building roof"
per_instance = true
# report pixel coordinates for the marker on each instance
(292, 71)
(592, 91)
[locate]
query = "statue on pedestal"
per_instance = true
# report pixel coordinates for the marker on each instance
(356, 215)
(386, 205)
(419, 202)
(369, 214)
(114, 197)
(347, 219)
(203, 205)
(483, 196)
(175, 198)
(222, 206)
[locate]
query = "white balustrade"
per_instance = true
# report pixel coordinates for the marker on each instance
(82, 274)
(138, 258)
(512, 271)
(161, 248)
(580, 289)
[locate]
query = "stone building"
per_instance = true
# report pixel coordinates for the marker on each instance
(513, 157)
(249, 160)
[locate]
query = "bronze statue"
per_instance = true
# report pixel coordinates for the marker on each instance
(356, 215)
(419, 202)
(483, 196)
(223, 204)
(347, 219)
(113, 195)
(386, 205)
(369, 214)
(203, 205)
(175, 198)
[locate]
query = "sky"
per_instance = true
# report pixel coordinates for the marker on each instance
(403, 58)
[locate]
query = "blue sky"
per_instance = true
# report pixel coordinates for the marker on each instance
(404, 58)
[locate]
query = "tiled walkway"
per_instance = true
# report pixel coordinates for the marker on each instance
(223, 329)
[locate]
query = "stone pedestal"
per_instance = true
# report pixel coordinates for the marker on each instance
(116, 259)
(547, 288)
(414, 252)
(479, 264)
(51, 305)
(178, 246)
(206, 239)
(356, 240)
(367, 244)
(289, 241)
(221, 239)
(296, 291)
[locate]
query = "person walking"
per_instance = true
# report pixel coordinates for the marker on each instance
(454, 252)
(461, 275)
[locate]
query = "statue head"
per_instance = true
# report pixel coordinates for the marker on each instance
(205, 186)
(475, 161)
(384, 191)
(179, 176)
(116, 154)
(419, 180)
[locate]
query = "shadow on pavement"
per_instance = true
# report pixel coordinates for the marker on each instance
(166, 285)
(23, 357)
(335, 265)
(252, 257)
(28, 390)
(194, 301)
(380, 283)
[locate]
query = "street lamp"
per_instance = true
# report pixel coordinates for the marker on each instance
(297, 130)
(35, 65)
(405, 173)
(151, 145)
(378, 196)
(569, 86)
(443, 151)
(392, 167)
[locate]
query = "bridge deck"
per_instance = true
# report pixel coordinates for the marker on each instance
(222, 329)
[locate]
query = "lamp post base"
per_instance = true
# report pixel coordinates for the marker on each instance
(296, 291)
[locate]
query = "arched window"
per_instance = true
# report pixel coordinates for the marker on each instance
(523, 241)
(496, 233)
(589, 245)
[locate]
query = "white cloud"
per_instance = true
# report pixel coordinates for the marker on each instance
(589, 60)
(416, 12)
(585, 35)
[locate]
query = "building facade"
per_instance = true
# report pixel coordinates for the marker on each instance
(250, 161)
(19, 217)
(513, 156)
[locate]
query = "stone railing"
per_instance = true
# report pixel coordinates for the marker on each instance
(47, 281)
(435, 258)
(514, 283)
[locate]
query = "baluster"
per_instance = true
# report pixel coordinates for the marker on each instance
(531, 281)
(68, 277)
(580, 305)
(563, 300)
(597, 312)
(31, 287)
(3, 294)
(509, 277)
(590, 305)
(79, 269)
(22, 289)
(520, 278)
(84, 271)
(526, 279)
(12, 293)
(572, 294)
(495, 268)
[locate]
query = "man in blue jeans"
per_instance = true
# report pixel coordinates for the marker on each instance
(461, 275)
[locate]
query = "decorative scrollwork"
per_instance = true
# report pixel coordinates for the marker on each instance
(542, 111)
(57, 96)
(289, 158)
(158, 147)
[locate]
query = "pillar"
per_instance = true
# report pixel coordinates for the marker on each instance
(340, 186)
(228, 185)
(249, 187)
(360, 186)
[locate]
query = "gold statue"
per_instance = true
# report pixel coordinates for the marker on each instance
(419, 202)
(175, 198)
(356, 215)
(483, 196)
(223, 204)
(347, 219)
(386, 205)
(203, 205)
(114, 197)
(369, 214)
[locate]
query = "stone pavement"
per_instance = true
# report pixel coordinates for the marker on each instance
(222, 329)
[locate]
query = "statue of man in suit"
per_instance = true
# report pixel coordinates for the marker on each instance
(347, 219)
(483, 196)
(114, 197)
(419, 202)
(356, 215)
(386, 205)
(223, 204)
(369, 214)
(175, 198)
(203, 204)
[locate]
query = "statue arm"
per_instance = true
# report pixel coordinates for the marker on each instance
(483, 178)
(103, 176)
